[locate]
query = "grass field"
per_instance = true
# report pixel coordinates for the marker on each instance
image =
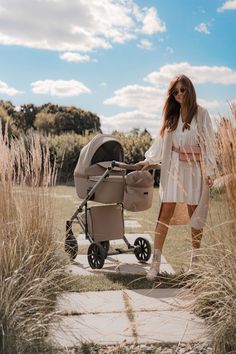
(178, 242)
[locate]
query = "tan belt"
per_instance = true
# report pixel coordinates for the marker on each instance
(188, 153)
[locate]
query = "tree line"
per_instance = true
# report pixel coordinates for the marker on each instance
(47, 119)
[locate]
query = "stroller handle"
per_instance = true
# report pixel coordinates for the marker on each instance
(133, 167)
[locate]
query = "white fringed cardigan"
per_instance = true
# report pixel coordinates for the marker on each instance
(160, 152)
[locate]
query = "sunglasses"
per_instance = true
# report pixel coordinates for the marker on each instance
(181, 90)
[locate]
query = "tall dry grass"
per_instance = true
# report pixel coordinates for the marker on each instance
(31, 271)
(214, 286)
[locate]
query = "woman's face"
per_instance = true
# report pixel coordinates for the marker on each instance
(178, 92)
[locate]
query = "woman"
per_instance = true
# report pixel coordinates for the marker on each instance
(186, 175)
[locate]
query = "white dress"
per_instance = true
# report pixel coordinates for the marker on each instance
(184, 178)
(179, 181)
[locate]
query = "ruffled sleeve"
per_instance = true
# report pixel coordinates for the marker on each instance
(154, 154)
(209, 156)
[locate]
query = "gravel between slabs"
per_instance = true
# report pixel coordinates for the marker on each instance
(182, 348)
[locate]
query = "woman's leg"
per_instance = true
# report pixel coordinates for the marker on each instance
(166, 212)
(196, 238)
(196, 234)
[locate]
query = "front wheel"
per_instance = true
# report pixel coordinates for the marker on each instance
(142, 250)
(96, 255)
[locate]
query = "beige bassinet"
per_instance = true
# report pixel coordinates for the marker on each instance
(94, 159)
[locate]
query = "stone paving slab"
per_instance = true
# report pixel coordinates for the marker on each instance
(104, 329)
(121, 263)
(112, 301)
(169, 326)
(158, 299)
(91, 302)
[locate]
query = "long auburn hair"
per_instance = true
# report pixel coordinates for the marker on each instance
(171, 110)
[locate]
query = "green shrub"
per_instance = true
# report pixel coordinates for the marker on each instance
(135, 145)
(65, 150)
(45, 122)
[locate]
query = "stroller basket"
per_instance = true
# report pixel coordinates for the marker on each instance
(113, 214)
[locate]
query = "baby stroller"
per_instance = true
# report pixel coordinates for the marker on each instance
(101, 178)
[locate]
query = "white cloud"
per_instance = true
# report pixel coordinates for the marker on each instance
(202, 28)
(143, 98)
(127, 121)
(198, 74)
(10, 91)
(210, 105)
(59, 88)
(75, 25)
(228, 5)
(152, 22)
(74, 57)
(145, 44)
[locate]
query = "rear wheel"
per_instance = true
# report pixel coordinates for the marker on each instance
(71, 246)
(96, 255)
(106, 246)
(142, 250)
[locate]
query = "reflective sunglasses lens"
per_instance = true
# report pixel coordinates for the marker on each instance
(181, 90)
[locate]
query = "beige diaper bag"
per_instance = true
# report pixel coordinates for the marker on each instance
(138, 190)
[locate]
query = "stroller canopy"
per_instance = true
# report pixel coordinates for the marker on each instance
(100, 149)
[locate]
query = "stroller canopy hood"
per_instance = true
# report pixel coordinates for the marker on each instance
(100, 149)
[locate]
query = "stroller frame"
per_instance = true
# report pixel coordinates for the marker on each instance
(98, 251)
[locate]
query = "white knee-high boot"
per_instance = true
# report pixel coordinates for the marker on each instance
(155, 266)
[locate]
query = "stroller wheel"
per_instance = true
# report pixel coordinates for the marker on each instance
(71, 246)
(106, 246)
(96, 255)
(142, 249)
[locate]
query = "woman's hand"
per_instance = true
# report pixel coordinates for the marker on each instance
(142, 165)
(209, 181)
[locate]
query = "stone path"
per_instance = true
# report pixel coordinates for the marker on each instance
(133, 316)
(130, 316)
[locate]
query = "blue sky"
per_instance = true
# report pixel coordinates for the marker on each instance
(116, 57)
